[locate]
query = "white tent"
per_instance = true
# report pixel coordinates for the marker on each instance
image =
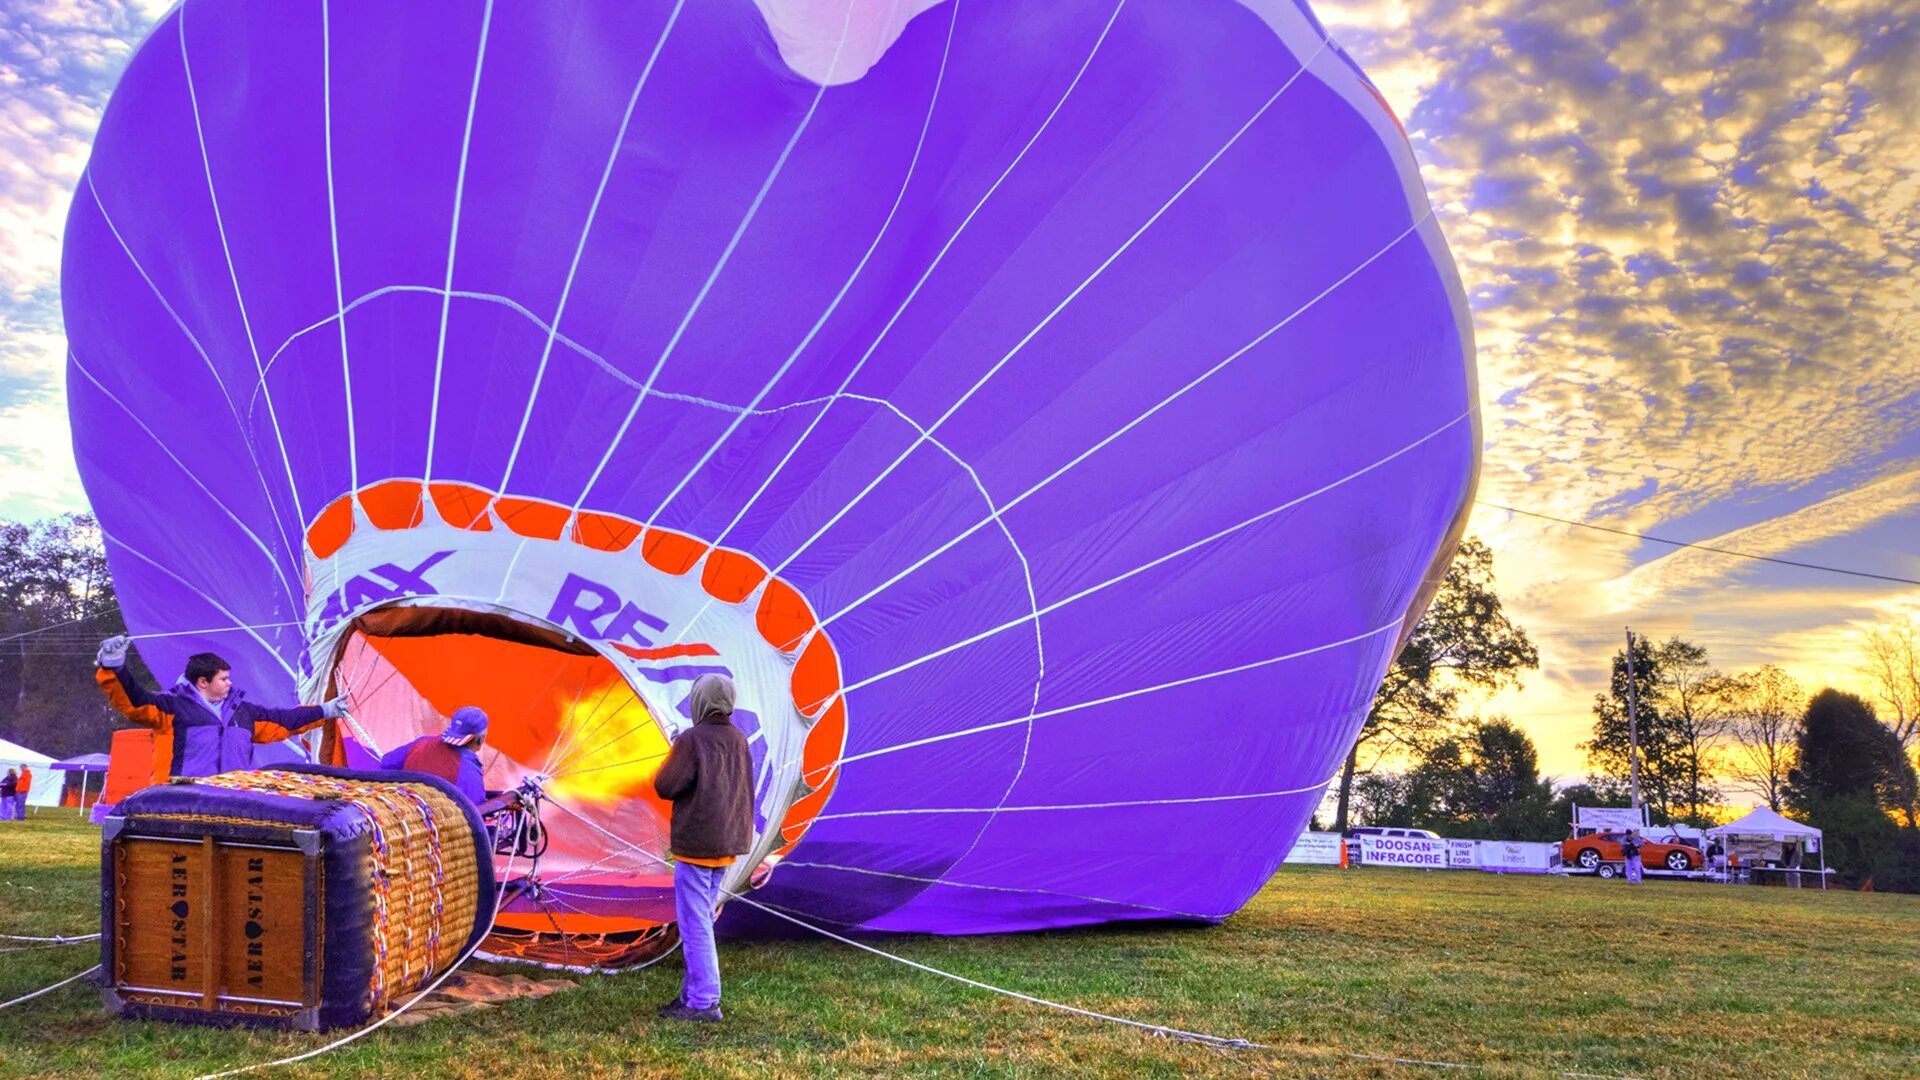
(1762, 822)
(46, 782)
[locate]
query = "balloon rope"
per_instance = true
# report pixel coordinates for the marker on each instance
(1215, 1041)
(55, 941)
(49, 989)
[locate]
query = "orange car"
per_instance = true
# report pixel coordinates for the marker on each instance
(1588, 852)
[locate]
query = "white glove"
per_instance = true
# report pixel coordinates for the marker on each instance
(335, 709)
(113, 651)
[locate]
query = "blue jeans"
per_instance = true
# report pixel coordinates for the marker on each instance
(1633, 869)
(696, 890)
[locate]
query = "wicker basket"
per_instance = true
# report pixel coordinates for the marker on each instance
(306, 897)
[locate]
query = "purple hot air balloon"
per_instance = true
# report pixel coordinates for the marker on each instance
(1052, 415)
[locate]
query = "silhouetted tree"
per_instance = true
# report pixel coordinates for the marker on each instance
(1764, 707)
(56, 603)
(1851, 779)
(1464, 640)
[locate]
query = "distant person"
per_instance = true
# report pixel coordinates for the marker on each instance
(1630, 847)
(202, 726)
(9, 791)
(708, 775)
(453, 755)
(20, 796)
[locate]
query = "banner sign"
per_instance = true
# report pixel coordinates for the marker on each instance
(1424, 852)
(1463, 854)
(1316, 848)
(1509, 857)
(1609, 818)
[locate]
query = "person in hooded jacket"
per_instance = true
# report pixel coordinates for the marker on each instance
(708, 776)
(203, 725)
(9, 791)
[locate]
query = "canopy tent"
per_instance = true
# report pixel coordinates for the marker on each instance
(80, 788)
(1763, 823)
(43, 792)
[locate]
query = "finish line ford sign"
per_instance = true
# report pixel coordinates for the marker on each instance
(1425, 852)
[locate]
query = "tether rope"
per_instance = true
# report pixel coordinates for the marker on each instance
(1161, 1030)
(49, 989)
(58, 939)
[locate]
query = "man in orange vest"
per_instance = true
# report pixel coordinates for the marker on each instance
(20, 802)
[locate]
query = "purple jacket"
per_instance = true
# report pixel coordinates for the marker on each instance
(205, 742)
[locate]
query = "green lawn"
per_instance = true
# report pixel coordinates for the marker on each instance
(1516, 976)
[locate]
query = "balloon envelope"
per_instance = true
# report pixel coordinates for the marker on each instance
(1052, 416)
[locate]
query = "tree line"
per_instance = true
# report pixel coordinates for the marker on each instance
(1833, 759)
(1836, 760)
(56, 604)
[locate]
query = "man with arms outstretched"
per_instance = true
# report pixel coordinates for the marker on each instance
(203, 725)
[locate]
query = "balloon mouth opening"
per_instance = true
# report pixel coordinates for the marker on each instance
(559, 710)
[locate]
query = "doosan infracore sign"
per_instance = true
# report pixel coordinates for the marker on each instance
(1425, 852)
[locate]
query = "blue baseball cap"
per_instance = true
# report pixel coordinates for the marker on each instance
(468, 723)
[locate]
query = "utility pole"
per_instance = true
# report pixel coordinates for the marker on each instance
(1633, 727)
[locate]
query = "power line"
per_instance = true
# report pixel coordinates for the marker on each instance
(1700, 547)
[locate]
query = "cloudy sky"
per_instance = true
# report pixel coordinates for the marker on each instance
(1688, 229)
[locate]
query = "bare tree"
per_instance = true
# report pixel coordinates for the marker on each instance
(1765, 707)
(1892, 661)
(1692, 694)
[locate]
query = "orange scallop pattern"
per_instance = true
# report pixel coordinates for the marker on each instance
(532, 518)
(816, 675)
(826, 742)
(462, 506)
(730, 576)
(671, 551)
(395, 504)
(784, 618)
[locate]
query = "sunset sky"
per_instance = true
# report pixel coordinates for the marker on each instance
(1688, 230)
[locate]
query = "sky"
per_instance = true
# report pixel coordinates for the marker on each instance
(1688, 232)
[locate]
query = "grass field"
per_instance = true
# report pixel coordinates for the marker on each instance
(1513, 976)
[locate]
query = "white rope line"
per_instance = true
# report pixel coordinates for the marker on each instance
(233, 408)
(56, 940)
(1047, 320)
(273, 560)
(89, 617)
(219, 221)
(210, 601)
(580, 247)
(720, 265)
(872, 347)
(499, 901)
(1000, 888)
(453, 242)
(846, 286)
(1185, 801)
(333, 231)
(1131, 424)
(49, 989)
(1174, 554)
(1155, 1029)
(573, 723)
(1110, 698)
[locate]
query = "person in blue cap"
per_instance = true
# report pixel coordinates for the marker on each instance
(453, 755)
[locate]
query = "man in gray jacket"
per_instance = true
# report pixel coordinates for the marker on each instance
(708, 776)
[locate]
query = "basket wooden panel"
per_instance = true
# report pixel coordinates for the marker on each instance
(422, 863)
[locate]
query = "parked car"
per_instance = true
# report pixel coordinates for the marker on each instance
(1589, 852)
(1374, 830)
